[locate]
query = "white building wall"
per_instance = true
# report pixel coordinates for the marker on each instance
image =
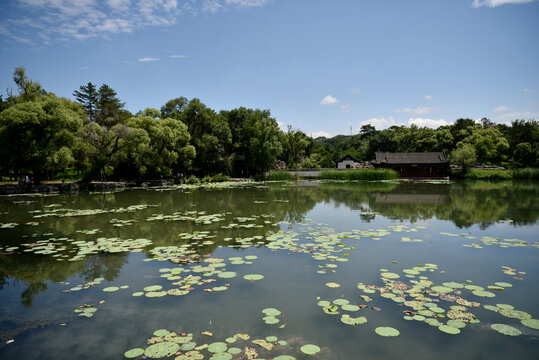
(342, 165)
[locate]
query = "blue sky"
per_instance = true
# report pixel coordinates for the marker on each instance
(322, 66)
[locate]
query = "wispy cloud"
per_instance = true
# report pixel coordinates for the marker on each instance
(430, 123)
(379, 123)
(84, 67)
(428, 97)
(500, 108)
(345, 108)
(528, 91)
(45, 20)
(420, 110)
(519, 115)
(329, 100)
(320, 134)
(177, 56)
(147, 59)
(214, 6)
(494, 3)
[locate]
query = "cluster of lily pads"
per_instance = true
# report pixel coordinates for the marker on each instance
(61, 212)
(425, 300)
(188, 278)
(183, 346)
(480, 243)
(271, 316)
(62, 248)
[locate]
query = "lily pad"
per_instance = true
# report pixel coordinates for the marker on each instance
(531, 323)
(253, 277)
(217, 347)
(310, 349)
(332, 285)
(227, 274)
(160, 350)
(153, 288)
(161, 332)
(386, 331)
(449, 329)
(284, 357)
(515, 314)
(390, 275)
(133, 353)
(506, 329)
(111, 288)
(271, 312)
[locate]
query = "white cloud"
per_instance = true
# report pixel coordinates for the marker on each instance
(345, 108)
(528, 91)
(420, 110)
(355, 90)
(519, 115)
(84, 19)
(428, 97)
(177, 56)
(329, 100)
(84, 67)
(430, 123)
(500, 108)
(379, 123)
(148, 59)
(494, 3)
(317, 134)
(281, 125)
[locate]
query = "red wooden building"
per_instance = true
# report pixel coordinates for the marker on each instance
(414, 165)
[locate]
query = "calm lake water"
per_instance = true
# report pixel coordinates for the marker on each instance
(447, 265)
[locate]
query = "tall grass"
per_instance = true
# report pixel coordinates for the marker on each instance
(360, 174)
(482, 174)
(280, 175)
(526, 174)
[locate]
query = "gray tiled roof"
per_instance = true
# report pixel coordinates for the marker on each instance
(411, 158)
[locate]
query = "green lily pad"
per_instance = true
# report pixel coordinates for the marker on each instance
(160, 350)
(111, 288)
(503, 284)
(284, 357)
(221, 356)
(515, 314)
(531, 323)
(153, 288)
(161, 332)
(138, 293)
(227, 274)
(332, 285)
(234, 350)
(133, 353)
(390, 275)
(217, 347)
(506, 329)
(350, 307)
(271, 312)
(386, 331)
(347, 319)
(272, 338)
(449, 329)
(270, 320)
(483, 293)
(310, 349)
(253, 277)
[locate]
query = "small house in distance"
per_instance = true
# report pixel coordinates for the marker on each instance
(348, 162)
(414, 165)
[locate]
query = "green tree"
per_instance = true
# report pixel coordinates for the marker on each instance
(168, 150)
(88, 96)
(464, 156)
(28, 90)
(264, 145)
(110, 109)
(524, 155)
(295, 144)
(37, 135)
(489, 143)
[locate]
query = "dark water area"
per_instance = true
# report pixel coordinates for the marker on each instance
(424, 258)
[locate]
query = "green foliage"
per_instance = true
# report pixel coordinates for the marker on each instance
(482, 174)
(524, 155)
(464, 156)
(294, 144)
(311, 162)
(37, 135)
(360, 174)
(219, 178)
(192, 180)
(526, 174)
(206, 179)
(279, 175)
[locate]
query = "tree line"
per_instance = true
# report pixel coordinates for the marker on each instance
(95, 137)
